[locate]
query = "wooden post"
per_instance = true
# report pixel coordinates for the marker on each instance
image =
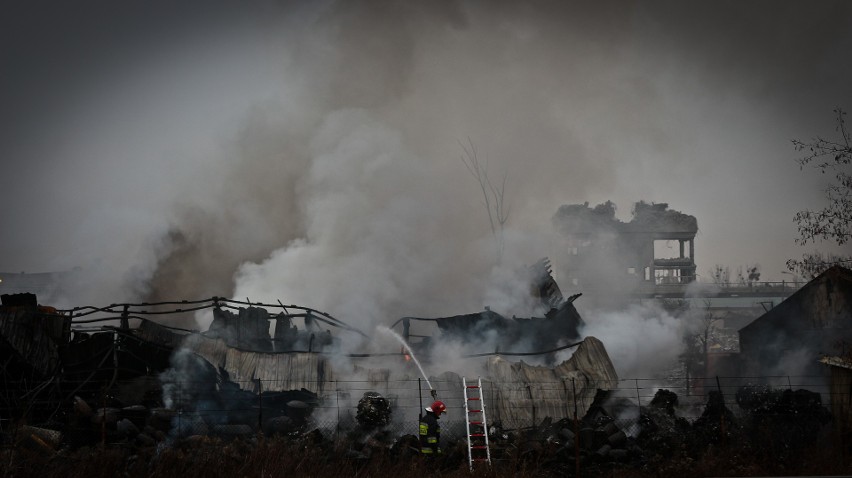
(576, 432)
(638, 397)
(337, 400)
(260, 405)
(529, 391)
(125, 320)
(103, 419)
(721, 414)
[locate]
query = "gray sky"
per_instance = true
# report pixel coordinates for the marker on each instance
(310, 151)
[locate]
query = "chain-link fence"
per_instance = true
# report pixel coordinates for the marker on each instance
(144, 412)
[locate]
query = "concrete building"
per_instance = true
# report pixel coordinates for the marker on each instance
(656, 247)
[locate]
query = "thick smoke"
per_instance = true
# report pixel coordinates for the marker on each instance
(643, 341)
(370, 233)
(309, 152)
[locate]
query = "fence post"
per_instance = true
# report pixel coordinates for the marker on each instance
(103, 418)
(686, 378)
(532, 404)
(638, 397)
(337, 400)
(125, 321)
(722, 431)
(180, 408)
(260, 405)
(576, 432)
(420, 397)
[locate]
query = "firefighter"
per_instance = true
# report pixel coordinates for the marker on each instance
(430, 430)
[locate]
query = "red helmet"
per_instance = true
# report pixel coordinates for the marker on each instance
(437, 407)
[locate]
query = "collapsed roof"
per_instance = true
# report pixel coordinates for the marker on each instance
(68, 351)
(490, 332)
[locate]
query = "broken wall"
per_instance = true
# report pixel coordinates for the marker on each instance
(278, 372)
(516, 393)
(523, 394)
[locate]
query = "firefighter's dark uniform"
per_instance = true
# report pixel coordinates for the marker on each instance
(430, 435)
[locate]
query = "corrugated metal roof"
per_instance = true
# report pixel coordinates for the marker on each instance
(837, 362)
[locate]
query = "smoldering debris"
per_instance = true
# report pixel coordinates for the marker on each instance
(616, 434)
(372, 428)
(374, 411)
(557, 325)
(152, 385)
(195, 402)
(249, 330)
(151, 382)
(122, 384)
(792, 417)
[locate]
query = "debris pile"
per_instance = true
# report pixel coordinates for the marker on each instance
(616, 434)
(783, 419)
(227, 414)
(374, 411)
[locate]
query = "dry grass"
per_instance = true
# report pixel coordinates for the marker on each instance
(275, 458)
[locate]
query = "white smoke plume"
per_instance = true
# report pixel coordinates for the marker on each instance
(309, 151)
(642, 341)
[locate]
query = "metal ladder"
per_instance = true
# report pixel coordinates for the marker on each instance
(477, 442)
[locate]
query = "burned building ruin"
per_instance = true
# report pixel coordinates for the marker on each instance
(92, 372)
(655, 249)
(490, 332)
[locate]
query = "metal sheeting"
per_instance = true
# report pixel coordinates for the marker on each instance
(515, 392)
(524, 393)
(34, 336)
(153, 332)
(278, 372)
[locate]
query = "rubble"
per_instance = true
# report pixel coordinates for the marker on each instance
(652, 435)
(488, 332)
(151, 383)
(374, 411)
(128, 387)
(793, 418)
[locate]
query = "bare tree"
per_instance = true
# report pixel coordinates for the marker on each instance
(697, 341)
(493, 195)
(703, 331)
(721, 276)
(834, 221)
(708, 322)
